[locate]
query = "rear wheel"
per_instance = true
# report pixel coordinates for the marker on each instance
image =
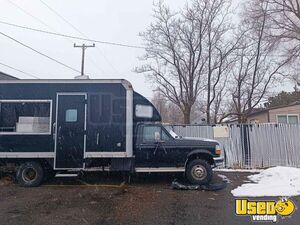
(199, 172)
(30, 174)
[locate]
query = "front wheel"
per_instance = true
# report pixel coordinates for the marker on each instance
(199, 172)
(30, 174)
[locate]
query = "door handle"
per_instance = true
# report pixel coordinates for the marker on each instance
(54, 131)
(97, 141)
(59, 136)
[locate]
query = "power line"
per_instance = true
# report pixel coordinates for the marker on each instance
(40, 53)
(45, 24)
(81, 33)
(70, 24)
(61, 17)
(65, 35)
(87, 39)
(73, 37)
(29, 14)
(21, 71)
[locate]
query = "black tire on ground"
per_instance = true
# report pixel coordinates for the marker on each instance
(199, 172)
(30, 174)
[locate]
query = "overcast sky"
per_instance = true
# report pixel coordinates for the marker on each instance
(107, 20)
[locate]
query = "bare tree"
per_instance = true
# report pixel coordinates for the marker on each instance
(222, 104)
(258, 66)
(219, 46)
(284, 28)
(296, 79)
(284, 17)
(187, 52)
(169, 112)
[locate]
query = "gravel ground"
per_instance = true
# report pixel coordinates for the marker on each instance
(148, 199)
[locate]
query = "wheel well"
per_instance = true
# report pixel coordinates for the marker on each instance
(203, 156)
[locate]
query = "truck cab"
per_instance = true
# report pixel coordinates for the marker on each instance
(158, 149)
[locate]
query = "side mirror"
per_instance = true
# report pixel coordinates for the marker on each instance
(157, 136)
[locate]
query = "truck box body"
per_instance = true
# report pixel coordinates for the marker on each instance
(70, 122)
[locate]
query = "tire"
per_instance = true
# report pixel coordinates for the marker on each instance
(199, 172)
(30, 174)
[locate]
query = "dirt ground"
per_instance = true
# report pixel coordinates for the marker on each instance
(148, 199)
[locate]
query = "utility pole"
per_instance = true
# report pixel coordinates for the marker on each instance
(83, 47)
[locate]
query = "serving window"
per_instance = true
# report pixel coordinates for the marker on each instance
(25, 117)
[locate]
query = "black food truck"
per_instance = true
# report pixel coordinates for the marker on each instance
(62, 127)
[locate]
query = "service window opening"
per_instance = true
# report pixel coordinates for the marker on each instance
(25, 117)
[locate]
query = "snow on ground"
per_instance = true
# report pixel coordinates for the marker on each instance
(275, 181)
(238, 170)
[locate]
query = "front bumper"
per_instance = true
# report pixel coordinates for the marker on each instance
(218, 161)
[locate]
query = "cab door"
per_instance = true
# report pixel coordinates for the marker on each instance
(154, 146)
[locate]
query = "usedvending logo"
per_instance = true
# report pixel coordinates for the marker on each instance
(266, 211)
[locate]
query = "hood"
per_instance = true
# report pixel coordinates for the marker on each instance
(201, 139)
(196, 142)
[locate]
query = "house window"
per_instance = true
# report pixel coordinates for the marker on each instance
(291, 119)
(25, 117)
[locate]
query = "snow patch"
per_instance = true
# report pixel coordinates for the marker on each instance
(275, 181)
(239, 170)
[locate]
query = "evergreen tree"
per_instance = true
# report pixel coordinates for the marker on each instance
(284, 98)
